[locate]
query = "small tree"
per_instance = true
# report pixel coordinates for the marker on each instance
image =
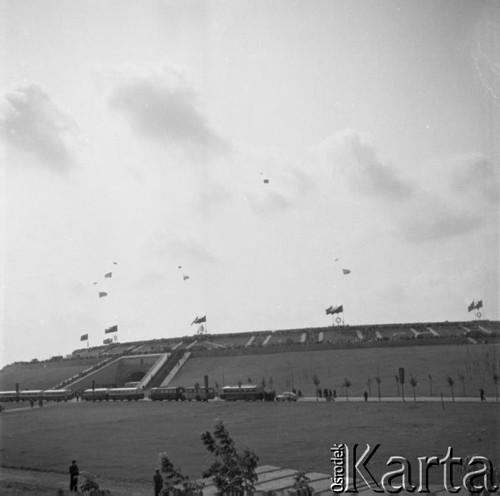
(379, 381)
(174, 482)
(495, 380)
(88, 482)
(461, 378)
(347, 385)
(233, 473)
(301, 485)
(316, 381)
(414, 384)
(451, 382)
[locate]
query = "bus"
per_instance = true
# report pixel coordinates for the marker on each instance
(96, 394)
(200, 393)
(168, 393)
(31, 395)
(128, 394)
(245, 392)
(57, 395)
(6, 396)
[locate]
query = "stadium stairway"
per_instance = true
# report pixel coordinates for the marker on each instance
(163, 369)
(172, 367)
(156, 370)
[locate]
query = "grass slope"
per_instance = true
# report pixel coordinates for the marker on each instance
(476, 363)
(41, 375)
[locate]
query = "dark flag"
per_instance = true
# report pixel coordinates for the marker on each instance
(84, 337)
(346, 271)
(199, 320)
(185, 278)
(471, 307)
(108, 275)
(107, 341)
(338, 309)
(479, 304)
(334, 309)
(102, 294)
(111, 329)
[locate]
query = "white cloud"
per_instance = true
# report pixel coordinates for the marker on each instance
(473, 173)
(435, 220)
(181, 249)
(365, 171)
(30, 122)
(162, 105)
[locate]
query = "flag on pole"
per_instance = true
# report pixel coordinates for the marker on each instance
(338, 309)
(84, 337)
(102, 294)
(108, 275)
(331, 310)
(346, 271)
(111, 329)
(199, 320)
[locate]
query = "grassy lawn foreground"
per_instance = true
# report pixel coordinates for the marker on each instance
(122, 440)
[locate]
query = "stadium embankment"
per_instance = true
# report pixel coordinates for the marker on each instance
(118, 372)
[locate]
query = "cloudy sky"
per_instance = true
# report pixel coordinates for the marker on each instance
(261, 146)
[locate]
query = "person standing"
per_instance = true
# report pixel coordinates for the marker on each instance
(73, 476)
(481, 394)
(158, 482)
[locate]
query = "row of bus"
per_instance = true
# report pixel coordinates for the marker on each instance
(36, 395)
(246, 392)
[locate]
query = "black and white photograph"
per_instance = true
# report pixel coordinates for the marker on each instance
(249, 247)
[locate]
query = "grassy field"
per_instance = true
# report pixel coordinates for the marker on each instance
(122, 440)
(474, 364)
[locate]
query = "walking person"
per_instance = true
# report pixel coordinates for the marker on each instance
(73, 476)
(158, 482)
(365, 394)
(481, 394)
